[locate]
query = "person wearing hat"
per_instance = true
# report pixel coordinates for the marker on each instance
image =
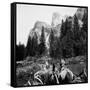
(65, 74)
(62, 65)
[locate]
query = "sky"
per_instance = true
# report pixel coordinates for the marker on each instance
(27, 15)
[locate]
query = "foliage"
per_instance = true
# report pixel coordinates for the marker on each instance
(32, 46)
(71, 42)
(20, 52)
(42, 46)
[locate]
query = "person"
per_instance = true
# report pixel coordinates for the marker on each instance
(53, 79)
(65, 75)
(83, 75)
(53, 68)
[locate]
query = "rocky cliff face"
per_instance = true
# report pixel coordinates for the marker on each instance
(47, 29)
(38, 29)
(80, 12)
(56, 19)
(55, 25)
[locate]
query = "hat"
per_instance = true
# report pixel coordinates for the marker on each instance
(62, 62)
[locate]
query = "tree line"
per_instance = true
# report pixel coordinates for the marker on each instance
(32, 48)
(71, 42)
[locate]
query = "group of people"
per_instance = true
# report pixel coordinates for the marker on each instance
(51, 75)
(63, 74)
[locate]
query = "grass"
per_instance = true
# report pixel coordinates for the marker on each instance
(27, 68)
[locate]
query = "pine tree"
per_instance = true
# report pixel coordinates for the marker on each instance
(76, 28)
(36, 45)
(85, 21)
(62, 30)
(76, 37)
(66, 38)
(32, 46)
(20, 52)
(84, 32)
(29, 46)
(42, 45)
(85, 36)
(52, 46)
(58, 48)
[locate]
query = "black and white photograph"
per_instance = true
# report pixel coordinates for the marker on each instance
(51, 45)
